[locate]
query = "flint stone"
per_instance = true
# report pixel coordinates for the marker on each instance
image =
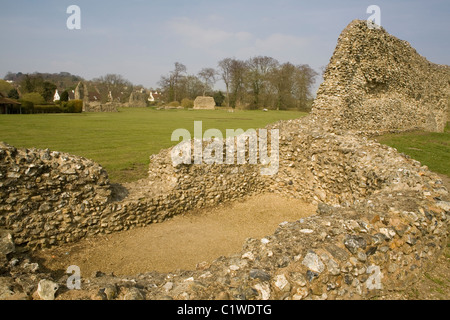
(281, 282)
(6, 242)
(47, 289)
(259, 274)
(6, 284)
(332, 266)
(313, 262)
(133, 294)
(352, 243)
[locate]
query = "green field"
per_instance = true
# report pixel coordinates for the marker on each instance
(122, 142)
(431, 149)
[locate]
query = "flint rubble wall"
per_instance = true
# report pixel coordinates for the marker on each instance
(377, 82)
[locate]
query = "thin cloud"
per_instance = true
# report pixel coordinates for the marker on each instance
(196, 36)
(243, 44)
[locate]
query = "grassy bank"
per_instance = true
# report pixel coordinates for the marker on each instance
(431, 149)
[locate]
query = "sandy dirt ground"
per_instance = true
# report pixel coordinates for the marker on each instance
(179, 243)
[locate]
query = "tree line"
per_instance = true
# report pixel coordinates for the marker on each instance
(41, 87)
(256, 83)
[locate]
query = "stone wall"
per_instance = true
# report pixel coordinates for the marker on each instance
(376, 82)
(138, 100)
(50, 198)
(45, 196)
(101, 107)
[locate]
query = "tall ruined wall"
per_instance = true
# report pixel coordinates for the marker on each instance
(376, 82)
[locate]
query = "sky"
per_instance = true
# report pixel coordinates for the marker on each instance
(142, 39)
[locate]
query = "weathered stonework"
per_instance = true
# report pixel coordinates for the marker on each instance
(382, 218)
(207, 103)
(46, 196)
(376, 82)
(101, 107)
(138, 100)
(81, 92)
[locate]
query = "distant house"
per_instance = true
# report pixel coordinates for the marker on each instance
(56, 97)
(8, 106)
(154, 96)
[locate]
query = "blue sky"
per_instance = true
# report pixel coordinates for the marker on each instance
(142, 39)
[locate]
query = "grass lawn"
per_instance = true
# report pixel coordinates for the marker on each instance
(122, 142)
(431, 149)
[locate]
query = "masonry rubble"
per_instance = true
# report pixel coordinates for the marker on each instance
(382, 217)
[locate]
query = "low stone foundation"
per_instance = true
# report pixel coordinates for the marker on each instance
(99, 107)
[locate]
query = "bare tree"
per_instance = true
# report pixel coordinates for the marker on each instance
(170, 84)
(258, 71)
(114, 85)
(191, 87)
(238, 70)
(225, 74)
(304, 79)
(208, 75)
(282, 79)
(177, 74)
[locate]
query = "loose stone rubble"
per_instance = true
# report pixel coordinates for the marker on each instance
(382, 219)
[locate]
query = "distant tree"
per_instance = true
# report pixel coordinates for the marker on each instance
(238, 72)
(208, 75)
(259, 69)
(190, 87)
(119, 87)
(219, 98)
(304, 79)
(13, 94)
(225, 74)
(10, 76)
(64, 96)
(48, 91)
(33, 83)
(255, 83)
(34, 97)
(177, 74)
(282, 79)
(5, 87)
(292, 85)
(171, 84)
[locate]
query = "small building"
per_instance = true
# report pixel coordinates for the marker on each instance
(56, 97)
(8, 106)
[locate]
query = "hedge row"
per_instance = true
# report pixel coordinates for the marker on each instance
(73, 106)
